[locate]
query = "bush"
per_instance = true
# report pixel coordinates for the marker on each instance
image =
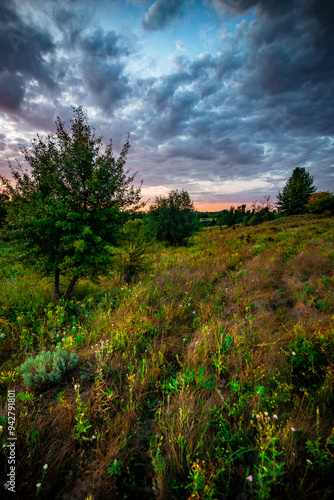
(48, 367)
(321, 202)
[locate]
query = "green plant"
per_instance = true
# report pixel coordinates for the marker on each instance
(115, 468)
(48, 367)
(270, 466)
(82, 424)
(133, 248)
(321, 456)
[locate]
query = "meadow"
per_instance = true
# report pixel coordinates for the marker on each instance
(209, 376)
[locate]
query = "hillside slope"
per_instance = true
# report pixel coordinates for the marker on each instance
(210, 377)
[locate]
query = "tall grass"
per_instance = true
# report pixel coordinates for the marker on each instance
(210, 376)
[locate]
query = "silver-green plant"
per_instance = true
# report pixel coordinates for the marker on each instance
(48, 367)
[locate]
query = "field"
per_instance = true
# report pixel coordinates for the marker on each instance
(210, 376)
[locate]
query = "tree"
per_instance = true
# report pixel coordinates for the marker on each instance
(296, 193)
(172, 218)
(3, 208)
(69, 209)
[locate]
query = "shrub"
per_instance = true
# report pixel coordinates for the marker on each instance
(133, 249)
(321, 202)
(48, 367)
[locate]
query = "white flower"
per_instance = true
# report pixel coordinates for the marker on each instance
(309, 462)
(38, 485)
(275, 417)
(293, 353)
(45, 466)
(93, 437)
(293, 429)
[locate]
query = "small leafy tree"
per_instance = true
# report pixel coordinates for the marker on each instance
(296, 193)
(66, 212)
(133, 249)
(172, 218)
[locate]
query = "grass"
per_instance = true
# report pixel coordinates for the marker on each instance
(208, 377)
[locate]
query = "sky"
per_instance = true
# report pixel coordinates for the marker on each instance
(222, 98)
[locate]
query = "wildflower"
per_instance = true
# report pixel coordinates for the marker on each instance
(250, 478)
(293, 353)
(293, 429)
(38, 485)
(309, 462)
(45, 466)
(265, 414)
(257, 416)
(93, 437)
(275, 417)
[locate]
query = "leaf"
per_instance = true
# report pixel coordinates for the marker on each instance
(209, 385)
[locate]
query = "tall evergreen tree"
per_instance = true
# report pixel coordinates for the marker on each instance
(296, 192)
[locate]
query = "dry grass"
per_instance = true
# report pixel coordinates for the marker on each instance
(237, 324)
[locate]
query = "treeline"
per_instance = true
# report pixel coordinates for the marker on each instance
(299, 196)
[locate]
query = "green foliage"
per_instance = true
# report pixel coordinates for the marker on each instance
(48, 367)
(310, 358)
(69, 209)
(133, 248)
(3, 208)
(82, 424)
(321, 202)
(260, 212)
(115, 468)
(296, 193)
(172, 218)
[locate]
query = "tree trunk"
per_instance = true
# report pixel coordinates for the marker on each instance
(70, 287)
(56, 284)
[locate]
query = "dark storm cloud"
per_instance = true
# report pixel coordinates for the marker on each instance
(22, 48)
(161, 13)
(11, 91)
(106, 82)
(103, 68)
(258, 108)
(104, 44)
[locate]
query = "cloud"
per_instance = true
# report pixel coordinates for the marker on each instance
(11, 91)
(247, 113)
(22, 49)
(161, 13)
